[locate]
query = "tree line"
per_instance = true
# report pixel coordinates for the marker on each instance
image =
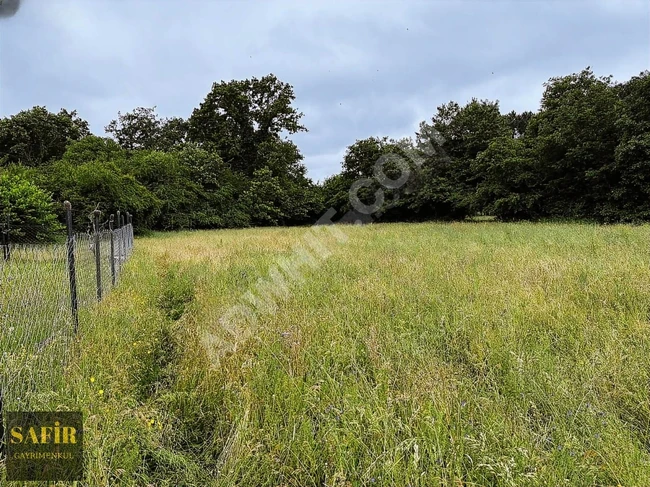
(584, 154)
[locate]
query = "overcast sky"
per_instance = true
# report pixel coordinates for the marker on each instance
(358, 68)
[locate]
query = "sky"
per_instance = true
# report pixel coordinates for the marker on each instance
(359, 68)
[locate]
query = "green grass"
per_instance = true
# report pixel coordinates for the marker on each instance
(36, 325)
(477, 354)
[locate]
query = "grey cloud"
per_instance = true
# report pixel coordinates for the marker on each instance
(358, 68)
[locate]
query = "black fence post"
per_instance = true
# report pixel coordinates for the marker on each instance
(119, 242)
(129, 233)
(72, 271)
(123, 235)
(110, 227)
(98, 261)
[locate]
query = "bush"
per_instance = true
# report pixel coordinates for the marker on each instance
(100, 183)
(30, 209)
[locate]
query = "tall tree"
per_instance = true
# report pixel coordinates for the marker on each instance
(36, 136)
(236, 117)
(170, 180)
(144, 129)
(221, 188)
(376, 171)
(437, 193)
(576, 136)
(138, 129)
(458, 135)
(266, 199)
(630, 200)
(509, 188)
(284, 160)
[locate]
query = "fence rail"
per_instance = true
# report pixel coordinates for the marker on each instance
(42, 288)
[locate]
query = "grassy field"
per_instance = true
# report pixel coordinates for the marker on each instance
(473, 354)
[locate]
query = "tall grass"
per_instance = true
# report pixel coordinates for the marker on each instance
(416, 354)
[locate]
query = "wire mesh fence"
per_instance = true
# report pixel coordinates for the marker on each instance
(45, 278)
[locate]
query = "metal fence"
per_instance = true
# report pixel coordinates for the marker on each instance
(42, 288)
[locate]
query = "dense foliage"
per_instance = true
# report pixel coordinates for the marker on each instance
(585, 154)
(32, 213)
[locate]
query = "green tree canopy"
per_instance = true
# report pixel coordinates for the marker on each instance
(144, 129)
(36, 136)
(236, 117)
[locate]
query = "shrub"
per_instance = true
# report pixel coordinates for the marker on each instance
(29, 209)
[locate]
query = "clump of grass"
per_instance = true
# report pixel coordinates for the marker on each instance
(177, 290)
(154, 360)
